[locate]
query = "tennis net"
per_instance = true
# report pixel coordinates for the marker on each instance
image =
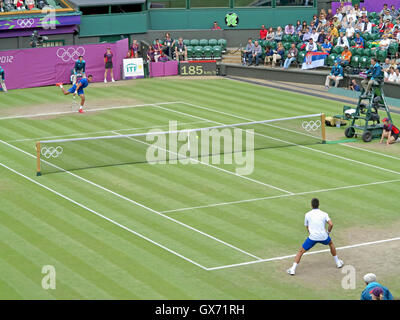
(201, 144)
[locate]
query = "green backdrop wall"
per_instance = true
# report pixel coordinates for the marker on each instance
(192, 19)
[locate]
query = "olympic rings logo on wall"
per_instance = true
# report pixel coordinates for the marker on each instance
(25, 23)
(51, 152)
(311, 125)
(70, 53)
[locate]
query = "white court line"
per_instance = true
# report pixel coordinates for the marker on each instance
(278, 196)
(287, 142)
(87, 110)
(307, 253)
(135, 202)
(103, 217)
(370, 151)
(99, 132)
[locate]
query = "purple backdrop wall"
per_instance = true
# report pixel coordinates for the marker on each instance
(370, 5)
(37, 67)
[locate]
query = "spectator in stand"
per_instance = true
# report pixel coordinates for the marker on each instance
(366, 26)
(364, 11)
(336, 22)
(387, 16)
(354, 86)
(157, 50)
(278, 54)
(134, 49)
(215, 26)
(30, 4)
(268, 55)
(256, 53)
(304, 27)
(350, 32)
(20, 4)
(332, 33)
(42, 3)
(359, 25)
(163, 57)
(370, 281)
(326, 46)
(289, 29)
(342, 41)
(384, 43)
(321, 37)
(314, 35)
(335, 75)
(292, 56)
(151, 54)
(393, 12)
(298, 27)
(180, 50)
(386, 65)
(271, 35)
(263, 32)
(278, 34)
(248, 51)
(108, 61)
(345, 57)
(307, 35)
(311, 46)
(2, 6)
(329, 14)
(169, 44)
(338, 15)
(397, 72)
(359, 41)
(390, 76)
(357, 10)
(397, 58)
(385, 7)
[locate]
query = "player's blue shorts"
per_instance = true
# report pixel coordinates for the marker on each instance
(73, 89)
(308, 244)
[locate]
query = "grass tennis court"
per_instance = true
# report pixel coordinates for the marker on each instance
(141, 231)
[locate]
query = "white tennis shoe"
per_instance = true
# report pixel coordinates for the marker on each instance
(291, 272)
(340, 264)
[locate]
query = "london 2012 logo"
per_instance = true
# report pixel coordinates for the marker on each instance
(70, 53)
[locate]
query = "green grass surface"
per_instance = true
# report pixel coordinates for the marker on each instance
(114, 232)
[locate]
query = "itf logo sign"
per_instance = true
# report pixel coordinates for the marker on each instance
(133, 68)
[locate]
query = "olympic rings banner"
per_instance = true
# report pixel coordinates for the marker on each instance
(36, 67)
(29, 23)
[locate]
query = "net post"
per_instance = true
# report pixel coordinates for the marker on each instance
(38, 171)
(323, 128)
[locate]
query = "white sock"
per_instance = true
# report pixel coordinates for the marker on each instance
(294, 266)
(336, 259)
(81, 107)
(61, 86)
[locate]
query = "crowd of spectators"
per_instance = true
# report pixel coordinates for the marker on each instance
(13, 5)
(344, 28)
(167, 49)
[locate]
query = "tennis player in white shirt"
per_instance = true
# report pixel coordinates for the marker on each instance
(315, 222)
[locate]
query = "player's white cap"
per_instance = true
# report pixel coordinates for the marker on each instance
(369, 277)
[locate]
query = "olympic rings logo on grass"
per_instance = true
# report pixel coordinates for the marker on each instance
(25, 23)
(51, 152)
(70, 53)
(311, 125)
